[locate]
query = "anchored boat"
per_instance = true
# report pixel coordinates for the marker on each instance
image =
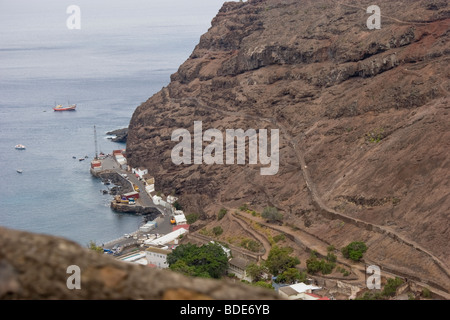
(60, 107)
(20, 147)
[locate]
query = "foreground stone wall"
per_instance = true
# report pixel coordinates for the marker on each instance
(34, 266)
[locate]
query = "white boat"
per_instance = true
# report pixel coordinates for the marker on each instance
(19, 170)
(20, 147)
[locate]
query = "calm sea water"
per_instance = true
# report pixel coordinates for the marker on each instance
(124, 52)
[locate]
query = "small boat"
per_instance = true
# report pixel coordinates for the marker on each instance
(81, 159)
(60, 107)
(74, 157)
(19, 170)
(20, 147)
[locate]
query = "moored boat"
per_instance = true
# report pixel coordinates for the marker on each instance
(20, 147)
(60, 107)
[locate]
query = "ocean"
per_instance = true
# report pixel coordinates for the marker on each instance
(123, 53)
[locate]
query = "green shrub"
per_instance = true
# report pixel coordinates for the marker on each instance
(94, 247)
(331, 257)
(217, 230)
(272, 214)
(192, 217)
(314, 265)
(426, 293)
(391, 287)
(222, 213)
(244, 207)
(354, 250)
(279, 237)
(375, 136)
(177, 205)
(251, 245)
(262, 284)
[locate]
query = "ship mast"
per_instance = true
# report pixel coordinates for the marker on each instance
(95, 139)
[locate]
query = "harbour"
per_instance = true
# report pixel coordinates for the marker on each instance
(134, 193)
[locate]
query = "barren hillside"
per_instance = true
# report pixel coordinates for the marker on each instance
(363, 117)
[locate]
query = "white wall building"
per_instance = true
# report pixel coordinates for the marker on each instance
(172, 236)
(179, 216)
(150, 188)
(135, 258)
(157, 256)
(140, 171)
(298, 291)
(171, 199)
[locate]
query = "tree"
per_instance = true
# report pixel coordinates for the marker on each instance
(255, 271)
(271, 214)
(209, 260)
(262, 284)
(217, 230)
(94, 247)
(291, 275)
(222, 213)
(391, 287)
(192, 217)
(354, 250)
(314, 265)
(177, 205)
(279, 260)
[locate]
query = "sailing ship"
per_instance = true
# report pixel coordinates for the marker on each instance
(60, 107)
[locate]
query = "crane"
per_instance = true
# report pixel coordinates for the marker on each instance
(95, 139)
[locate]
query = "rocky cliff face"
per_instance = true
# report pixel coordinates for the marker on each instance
(363, 117)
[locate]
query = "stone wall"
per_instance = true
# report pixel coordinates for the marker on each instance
(34, 266)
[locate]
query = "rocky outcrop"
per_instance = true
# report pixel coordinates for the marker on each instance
(121, 135)
(150, 212)
(363, 119)
(34, 266)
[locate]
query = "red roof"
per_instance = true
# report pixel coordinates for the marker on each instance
(184, 226)
(317, 296)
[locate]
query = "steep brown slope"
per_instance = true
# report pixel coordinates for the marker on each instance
(362, 114)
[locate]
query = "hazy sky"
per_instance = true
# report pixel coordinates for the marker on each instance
(35, 41)
(30, 16)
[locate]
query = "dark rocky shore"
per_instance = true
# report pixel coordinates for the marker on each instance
(121, 135)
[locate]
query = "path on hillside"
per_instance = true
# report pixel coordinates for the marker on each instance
(306, 241)
(316, 199)
(339, 3)
(261, 238)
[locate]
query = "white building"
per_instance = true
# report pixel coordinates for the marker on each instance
(298, 291)
(237, 266)
(140, 171)
(172, 236)
(171, 199)
(179, 216)
(157, 200)
(136, 258)
(122, 161)
(158, 256)
(149, 226)
(150, 188)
